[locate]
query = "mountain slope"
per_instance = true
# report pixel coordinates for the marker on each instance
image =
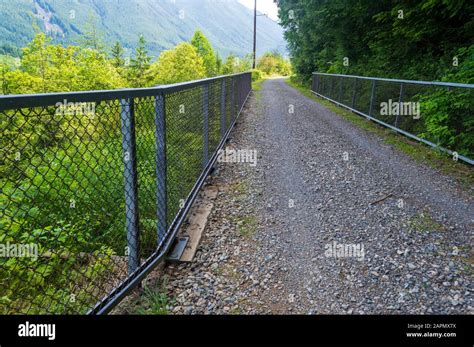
(164, 23)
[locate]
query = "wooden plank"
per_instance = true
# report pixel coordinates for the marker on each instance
(197, 222)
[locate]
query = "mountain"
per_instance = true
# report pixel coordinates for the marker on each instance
(164, 23)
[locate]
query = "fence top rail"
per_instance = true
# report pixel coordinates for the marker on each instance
(445, 84)
(9, 102)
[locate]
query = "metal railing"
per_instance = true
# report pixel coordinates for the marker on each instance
(95, 185)
(404, 106)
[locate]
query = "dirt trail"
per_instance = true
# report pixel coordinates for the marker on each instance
(321, 184)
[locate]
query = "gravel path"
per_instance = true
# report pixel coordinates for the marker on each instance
(320, 181)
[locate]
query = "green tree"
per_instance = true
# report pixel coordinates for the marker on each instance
(53, 68)
(204, 48)
(235, 64)
(96, 72)
(35, 59)
(4, 69)
(230, 65)
(218, 64)
(273, 63)
(117, 55)
(139, 65)
(183, 63)
(403, 39)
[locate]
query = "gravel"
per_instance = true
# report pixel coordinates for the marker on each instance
(265, 248)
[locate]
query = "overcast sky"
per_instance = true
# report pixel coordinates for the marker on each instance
(263, 6)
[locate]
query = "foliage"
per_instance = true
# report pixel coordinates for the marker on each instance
(204, 49)
(218, 63)
(52, 68)
(412, 40)
(273, 63)
(45, 67)
(9, 61)
(448, 113)
(178, 65)
(420, 40)
(116, 55)
(155, 301)
(257, 75)
(234, 64)
(139, 65)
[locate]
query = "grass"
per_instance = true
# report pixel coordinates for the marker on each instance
(257, 87)
(246, 225)
(239, 187)
(154, 302)
(417, 151)
(423, 222)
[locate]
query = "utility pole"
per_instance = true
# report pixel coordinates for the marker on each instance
(255, 35)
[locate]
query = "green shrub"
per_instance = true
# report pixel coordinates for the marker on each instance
(257, 75)
(274, 64)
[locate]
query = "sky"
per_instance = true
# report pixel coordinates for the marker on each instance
(264, 6)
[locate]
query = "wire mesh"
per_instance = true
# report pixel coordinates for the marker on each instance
(90, 182)
(435, 113)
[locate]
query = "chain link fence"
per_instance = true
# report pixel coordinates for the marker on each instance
(438, 114)
(95, 185)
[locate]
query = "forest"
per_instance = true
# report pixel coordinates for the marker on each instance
(45, 67)
(429, 40)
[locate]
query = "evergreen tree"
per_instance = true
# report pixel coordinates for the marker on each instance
(35, 59)
(206, 52)
(398, 39)
(4, 69)
(139, 65)
(117, 55)
(218, 64)
(230, 65)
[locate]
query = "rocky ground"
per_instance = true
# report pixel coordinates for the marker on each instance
(319, 182)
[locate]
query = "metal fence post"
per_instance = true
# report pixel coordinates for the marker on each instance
(354, 93)
(241, 92)
(223, 127)
(232, 100)
(161, 166)
(237, 96)
(400, 99)
(205, 111)
(239, 88)
(331, 86)
(341, 81)
(372, 96)
(131, 183)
